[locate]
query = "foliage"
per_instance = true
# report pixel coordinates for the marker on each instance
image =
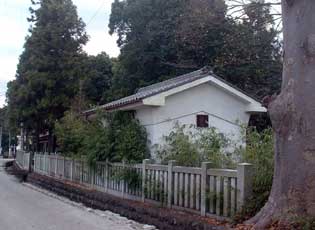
(115, 137)
(145, 30)
(71, 131)
(251, 56)
(260, 152)
(214, 147)
(191, 148)
(97, 80)
(131, 177)
(50, 65)
(124, 138)
(155, 189)
(157, 42)
(200, 46)
(8, 130)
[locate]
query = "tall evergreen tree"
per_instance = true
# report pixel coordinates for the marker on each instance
(49, 64)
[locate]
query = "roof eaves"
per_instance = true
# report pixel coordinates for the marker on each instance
(236, 88)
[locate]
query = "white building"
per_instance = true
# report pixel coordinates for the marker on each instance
(199, 98)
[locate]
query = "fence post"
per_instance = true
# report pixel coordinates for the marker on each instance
(123, 186)
(81, 171)
(71, 170)
(64, 167)
(56, 166)
(38, 157)
(170, 166)
(244, 183)
(92, 174)
(34, 157)
(203, 204)
(49, 161)
(45, 168)
(106, 176)
(144, 163)
(23, 160)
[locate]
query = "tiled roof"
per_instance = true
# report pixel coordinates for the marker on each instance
(157, 88)
(160, 87)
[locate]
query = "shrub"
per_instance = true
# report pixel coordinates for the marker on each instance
(178, 146)
(130, 176)
(191, 148)
(70, 131)
(213, 146)
(260, 152)
(115, 136)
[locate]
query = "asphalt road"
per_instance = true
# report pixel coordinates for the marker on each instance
(23, 207)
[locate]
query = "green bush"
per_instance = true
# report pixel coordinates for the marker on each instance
(178, 146)
(260, 152)
(114, 136)
(213, 146)
(191, 148)
(70, 131)
(130, 176)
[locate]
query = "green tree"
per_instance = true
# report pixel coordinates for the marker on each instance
(98, 78)
(160, 39)
(251, 56)
(8, 130)
(200, 46)
(146, 36)
(49, 68)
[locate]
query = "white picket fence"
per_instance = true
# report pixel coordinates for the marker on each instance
(23, 159)
(207, 191)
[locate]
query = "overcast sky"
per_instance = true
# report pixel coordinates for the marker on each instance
(14, 26)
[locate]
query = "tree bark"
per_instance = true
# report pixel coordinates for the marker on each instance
(293, 118)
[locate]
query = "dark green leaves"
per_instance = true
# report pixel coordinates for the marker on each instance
(48, 72)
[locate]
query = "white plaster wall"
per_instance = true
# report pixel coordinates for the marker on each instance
(225, 112)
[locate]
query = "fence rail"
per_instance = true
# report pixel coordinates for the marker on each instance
(205, 190)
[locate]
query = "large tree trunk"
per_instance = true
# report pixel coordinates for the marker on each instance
(293, 118)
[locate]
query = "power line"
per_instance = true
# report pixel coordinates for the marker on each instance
(194, 113)
(96, 13)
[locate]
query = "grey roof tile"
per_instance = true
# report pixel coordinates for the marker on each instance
(160, 87)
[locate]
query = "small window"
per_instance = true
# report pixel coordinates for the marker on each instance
(202, 121)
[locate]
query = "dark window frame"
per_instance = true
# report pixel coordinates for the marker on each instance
(202, 121)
